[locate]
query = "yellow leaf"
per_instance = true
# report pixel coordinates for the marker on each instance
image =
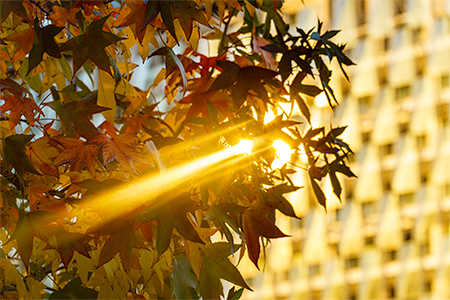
(125, 67)
(106, 85)
(195, 36)
(34, 287)
(126, 89)
(149, 37)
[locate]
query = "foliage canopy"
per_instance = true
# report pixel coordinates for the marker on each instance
(127, 207)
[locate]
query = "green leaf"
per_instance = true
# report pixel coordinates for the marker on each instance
(184, 278)
(172, 62)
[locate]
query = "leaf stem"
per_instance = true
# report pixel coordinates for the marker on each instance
(40, 6)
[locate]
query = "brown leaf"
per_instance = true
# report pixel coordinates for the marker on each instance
(77, 153)
(61, 15)
(24, 39)
(25, 106)
(256, 224)
(67, 243)
(121, 147)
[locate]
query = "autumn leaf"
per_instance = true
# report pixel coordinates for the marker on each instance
(6, 7)
(41, 154)
(24, 39)
(216, 265)
(60, 16)
(91, 45)
(44, 42)
(20, 106)
(67, 243)
(199, 101)
(169, 214)
(13, 87)
(255, 224)
(75, 117)
(30, 225)
(242, 81)
(78, 154)
(121, 240)
(14, 154)
(121, 147)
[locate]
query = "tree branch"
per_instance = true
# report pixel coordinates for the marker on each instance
(39, 6)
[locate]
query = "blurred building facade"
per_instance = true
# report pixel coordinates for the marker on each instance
(390, 236)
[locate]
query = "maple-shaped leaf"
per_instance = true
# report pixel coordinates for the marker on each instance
(68, 242)
(12, 86)
(30, 225)
(242, 80)
(14, 154)
(20, 106)
(121, 147)
(78, 154)
(44, 42)
(75, 117)
(133, 13)
(42, 155)
(171, 213)
(282, 204)
(256, 223)
(199, 101)
(15, 6)
(169, 10)
(91, 45)
(121, 240)
(216, 265)
(24, 39)
(60, 16)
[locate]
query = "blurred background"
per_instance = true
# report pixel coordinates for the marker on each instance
(390, 236)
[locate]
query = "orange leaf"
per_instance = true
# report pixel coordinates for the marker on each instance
(18, 106)
(77, 153)
(61, 15)
(42, 155)
(121, 148)
(25, 39)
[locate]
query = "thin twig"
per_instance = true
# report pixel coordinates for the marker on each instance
(40, 6)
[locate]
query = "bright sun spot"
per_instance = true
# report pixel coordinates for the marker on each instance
(243, 147)
(284, 153)
(321, 100)
(269, 117)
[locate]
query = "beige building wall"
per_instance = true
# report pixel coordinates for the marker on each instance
(390, 236)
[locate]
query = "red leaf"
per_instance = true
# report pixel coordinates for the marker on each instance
(67, 243)
(25, 106)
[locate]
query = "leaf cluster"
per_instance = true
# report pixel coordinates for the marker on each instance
(151, 201)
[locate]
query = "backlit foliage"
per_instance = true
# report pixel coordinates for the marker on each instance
(151, 201)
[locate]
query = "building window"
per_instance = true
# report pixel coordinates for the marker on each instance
(445, 81)
(406, 199)
(417, 35)
(361, 12)
(403, 127)
(368, 208)
(443, 113)
(365, 104)
(369, 240)
(421, 141)
(386, 177)
(399, 6)
(425, 167)
(407, 235)
(382, 75)
(403, 92)
(386, 44)
(420, 65)
(391, 255)
(351, 263)
(315, 270)
(366, 136)
(391, 291)
(446, 189)
(387, 149)
(349, 187)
